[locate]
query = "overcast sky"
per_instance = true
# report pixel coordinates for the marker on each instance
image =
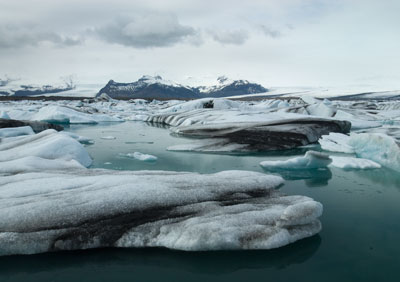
(273, 42)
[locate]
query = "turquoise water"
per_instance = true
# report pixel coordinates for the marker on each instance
(358, 242)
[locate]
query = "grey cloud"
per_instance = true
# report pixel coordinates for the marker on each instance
(270, 32)
(12, 36)
(235, 37)
(146, 30)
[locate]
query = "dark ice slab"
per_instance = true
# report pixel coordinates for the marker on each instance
(37, 126)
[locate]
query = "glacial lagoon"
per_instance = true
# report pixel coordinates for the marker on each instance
(359, 223)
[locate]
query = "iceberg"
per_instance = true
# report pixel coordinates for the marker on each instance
(15, 131)
(311, 160)
(83, 209)
(108, 137)
(336, 142)
(59, 114)
(48, 144)
(377, 147)
(141, 157)
(348, 163)
(260, 136)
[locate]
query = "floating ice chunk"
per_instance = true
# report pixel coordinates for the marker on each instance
(309, 99)
(60, 114)
(349, 163)
(31, 163)
(377, 147)
(3, 114)
(141, 157)
(320, 109)
(336, 142)
(15, 131)
(215, 103)
(311, 160)
(188, 211)
(109, 137)
(79, 138)
(48, 144)
(356, 123)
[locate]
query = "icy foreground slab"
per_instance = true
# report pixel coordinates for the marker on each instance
(43, 212)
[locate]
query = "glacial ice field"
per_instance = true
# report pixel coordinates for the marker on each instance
(316, 182)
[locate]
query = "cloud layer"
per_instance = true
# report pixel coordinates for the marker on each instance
(145, 30)
(12, 36)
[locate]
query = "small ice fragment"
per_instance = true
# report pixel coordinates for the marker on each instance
(108, 137)
(142, 157)
(311, 160)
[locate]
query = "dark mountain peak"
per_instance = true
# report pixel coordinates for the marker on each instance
(156, 87)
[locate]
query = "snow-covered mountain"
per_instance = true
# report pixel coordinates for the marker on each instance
(147, 87)
(9, 87)
(153, 87)
(227, 87)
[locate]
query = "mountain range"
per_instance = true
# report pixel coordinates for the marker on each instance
(153, 87)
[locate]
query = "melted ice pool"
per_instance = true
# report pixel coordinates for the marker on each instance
(358, 241)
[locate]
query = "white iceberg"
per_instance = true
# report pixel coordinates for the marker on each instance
(311, 160)
(48, 144)
(336, 142)
(108, 137)
(15, 131)
(348, 163)
(141, 157)
(79, 138)
(60, 114)
(377, 147)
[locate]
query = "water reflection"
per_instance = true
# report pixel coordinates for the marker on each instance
(215, 263)
(384, 177)
(312, 177)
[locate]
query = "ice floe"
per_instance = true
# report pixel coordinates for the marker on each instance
(377, 147)
(311, 160)
(48, 144)
(187, 211)
(349, 163)
(15, 131)
(141, 157)
(67, 115)
(108, 137)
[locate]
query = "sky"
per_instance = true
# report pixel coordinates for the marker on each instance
(272, 42)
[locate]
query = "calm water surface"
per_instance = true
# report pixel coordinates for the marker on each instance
(359, 240)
